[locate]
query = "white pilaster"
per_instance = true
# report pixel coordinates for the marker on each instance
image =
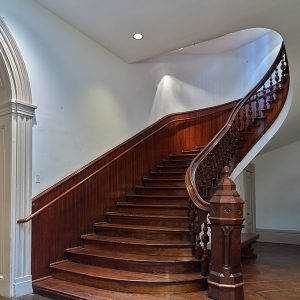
(16, 113)
(15, 201)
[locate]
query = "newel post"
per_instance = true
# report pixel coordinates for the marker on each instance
(226, 217)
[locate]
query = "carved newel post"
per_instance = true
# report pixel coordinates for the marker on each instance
(226, 216)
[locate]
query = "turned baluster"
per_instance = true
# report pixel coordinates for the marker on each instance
(244, 117)
(283, 68)
(197, 226)
(277, 86)
(271, 89)
(191, 215)
(236, 134)
(265, 105)
(257, 106)
(250, 113)
(205, 240)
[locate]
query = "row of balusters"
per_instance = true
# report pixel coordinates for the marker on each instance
(210, 169)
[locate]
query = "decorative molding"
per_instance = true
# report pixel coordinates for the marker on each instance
(2, 197)
(15, 67)
(20, 108)
(23, 285)
(16, 113)
(279, 236)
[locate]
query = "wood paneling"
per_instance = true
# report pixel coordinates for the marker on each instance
(60, 226)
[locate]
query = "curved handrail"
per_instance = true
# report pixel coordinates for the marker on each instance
(190, 177)
(42, 209)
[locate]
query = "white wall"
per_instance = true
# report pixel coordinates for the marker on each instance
(190, 81)
(277, 189)
(90, 101)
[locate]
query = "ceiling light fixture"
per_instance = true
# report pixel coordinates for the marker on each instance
(137, 36)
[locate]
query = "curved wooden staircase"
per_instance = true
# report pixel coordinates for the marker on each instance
(143, 247)
(155, 243)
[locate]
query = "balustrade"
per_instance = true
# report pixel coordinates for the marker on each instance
(250, 116)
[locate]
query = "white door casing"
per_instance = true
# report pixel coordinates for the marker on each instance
(16, 113)
(249, 194)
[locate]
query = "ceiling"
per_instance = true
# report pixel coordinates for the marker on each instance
(168, 25)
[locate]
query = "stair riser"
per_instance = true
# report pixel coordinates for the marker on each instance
(130, 286)
(159, 201)
(137, 266)
(164, 183)
(148, 222)
(183, 157)
(166, 176)
(51, 294)
(195, 152)
(140, 249)
(143, 234)
(171, 169)
(154, 211)
(162, 191)
(156, 198)
(177, 163)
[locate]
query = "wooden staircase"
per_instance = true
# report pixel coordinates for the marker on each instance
(143, 247)
(155, 244)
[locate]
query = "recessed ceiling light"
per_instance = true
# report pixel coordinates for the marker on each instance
(137, 36)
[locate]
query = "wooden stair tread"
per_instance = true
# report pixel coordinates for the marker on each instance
(155, 188)
(72, 290)
(137, 241)
(133, 195)
(188, 155)
(122, 275)
(129, 256)
(179, 166)
(127, 215)
(163, 179)
(139, 227)
(128, 204)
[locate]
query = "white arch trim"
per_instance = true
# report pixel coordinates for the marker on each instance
(16, 113)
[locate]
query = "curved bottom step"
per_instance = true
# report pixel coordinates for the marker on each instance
(127, 281)
(60, 289)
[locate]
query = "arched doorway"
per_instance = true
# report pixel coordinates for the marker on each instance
(16, 113)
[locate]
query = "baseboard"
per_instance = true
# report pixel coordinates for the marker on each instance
(23, 286)
(279, 236)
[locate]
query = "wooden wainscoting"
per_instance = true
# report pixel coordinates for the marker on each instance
(115, 173)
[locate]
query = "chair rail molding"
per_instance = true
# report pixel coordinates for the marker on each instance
(16, 113)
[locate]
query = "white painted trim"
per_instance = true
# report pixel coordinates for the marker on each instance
(266, 137)
(15, 67)
(23, 286)
(16, 113)
(279, 236)
(20, 108)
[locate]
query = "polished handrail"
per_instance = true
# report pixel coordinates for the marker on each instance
(190, 177)
(49, 204)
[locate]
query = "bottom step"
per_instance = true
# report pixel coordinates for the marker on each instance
(127, 281)
(60, 289)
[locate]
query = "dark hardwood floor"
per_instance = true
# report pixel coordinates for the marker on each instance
(274, 274)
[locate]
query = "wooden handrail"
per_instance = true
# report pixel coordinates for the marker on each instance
(190, 177)
(49, 204)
